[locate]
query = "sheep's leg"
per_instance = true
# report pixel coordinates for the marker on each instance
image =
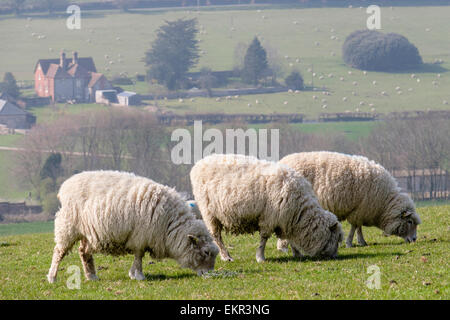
(282, 245)
(215, 228)
(87, 260)
(360, 237)
(349, 241)
(262, 246)
(136, 269)
(224, 254)
(296, 253)
(58, 255)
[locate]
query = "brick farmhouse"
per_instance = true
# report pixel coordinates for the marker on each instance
(69, 79)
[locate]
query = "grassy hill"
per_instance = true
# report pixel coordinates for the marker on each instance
(314, 36)
(408, 271)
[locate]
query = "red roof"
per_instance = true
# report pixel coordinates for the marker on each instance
(86, 63)
(94, 79)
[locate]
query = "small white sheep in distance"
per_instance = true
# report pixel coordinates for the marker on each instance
(357, 190)
(119, 213)
(242, 194)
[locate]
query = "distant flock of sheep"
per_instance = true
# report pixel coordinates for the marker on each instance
(301, 199)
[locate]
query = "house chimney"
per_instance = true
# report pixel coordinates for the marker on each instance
(75, 57)
(62, 60)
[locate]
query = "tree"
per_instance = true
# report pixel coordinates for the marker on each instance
(373, 50)
(174, 51)
(9, 85)
(294, 81)
(52, 167)
(207, 80)
(255, 63)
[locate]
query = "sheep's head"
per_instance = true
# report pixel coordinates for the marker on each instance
(403, 219)
(200, 250)
(335, 237)
(322, 239)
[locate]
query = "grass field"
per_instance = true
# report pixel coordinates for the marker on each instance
(10, 140)
(10, 188)
(408, 271)
(26, 228)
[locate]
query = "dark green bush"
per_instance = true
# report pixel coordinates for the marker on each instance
(294, 81)
(373, 50)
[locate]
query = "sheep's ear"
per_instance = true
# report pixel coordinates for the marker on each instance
(193, 239)
(334, 226)
(406, 214)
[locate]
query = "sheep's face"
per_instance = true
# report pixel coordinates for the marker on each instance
(335, 237)
(200, 254)
(405, 221)
(323, 241)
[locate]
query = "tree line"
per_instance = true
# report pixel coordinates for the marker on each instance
(133, 140)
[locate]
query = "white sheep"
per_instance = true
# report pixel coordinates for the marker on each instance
(119, 213)
(242, 194)
(357, 190)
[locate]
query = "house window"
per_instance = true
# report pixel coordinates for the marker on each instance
(39, 76)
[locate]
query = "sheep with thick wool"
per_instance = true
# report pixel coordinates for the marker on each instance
(119, 213)
(242, 194)
(357, 190)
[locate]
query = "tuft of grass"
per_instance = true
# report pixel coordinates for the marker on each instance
(407, 271)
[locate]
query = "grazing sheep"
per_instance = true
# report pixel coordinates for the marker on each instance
(118, 213)
(242, 194)
(359, 191)
(194, 209)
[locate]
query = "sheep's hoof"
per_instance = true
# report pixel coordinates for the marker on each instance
(362, 244)
(92, 277)
(260, 259)
(51, 279)
(285, 249)
(227, 258)
(139, 276)
(348, 244)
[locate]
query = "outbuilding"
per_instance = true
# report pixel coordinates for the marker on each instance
(128, 98)
(14, 117)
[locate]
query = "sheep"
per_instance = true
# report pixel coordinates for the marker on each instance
(357, 190)
(194, 209)
(118, 213)
(242, 194)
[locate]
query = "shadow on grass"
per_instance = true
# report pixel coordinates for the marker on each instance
(340, 257)
(162, 277)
